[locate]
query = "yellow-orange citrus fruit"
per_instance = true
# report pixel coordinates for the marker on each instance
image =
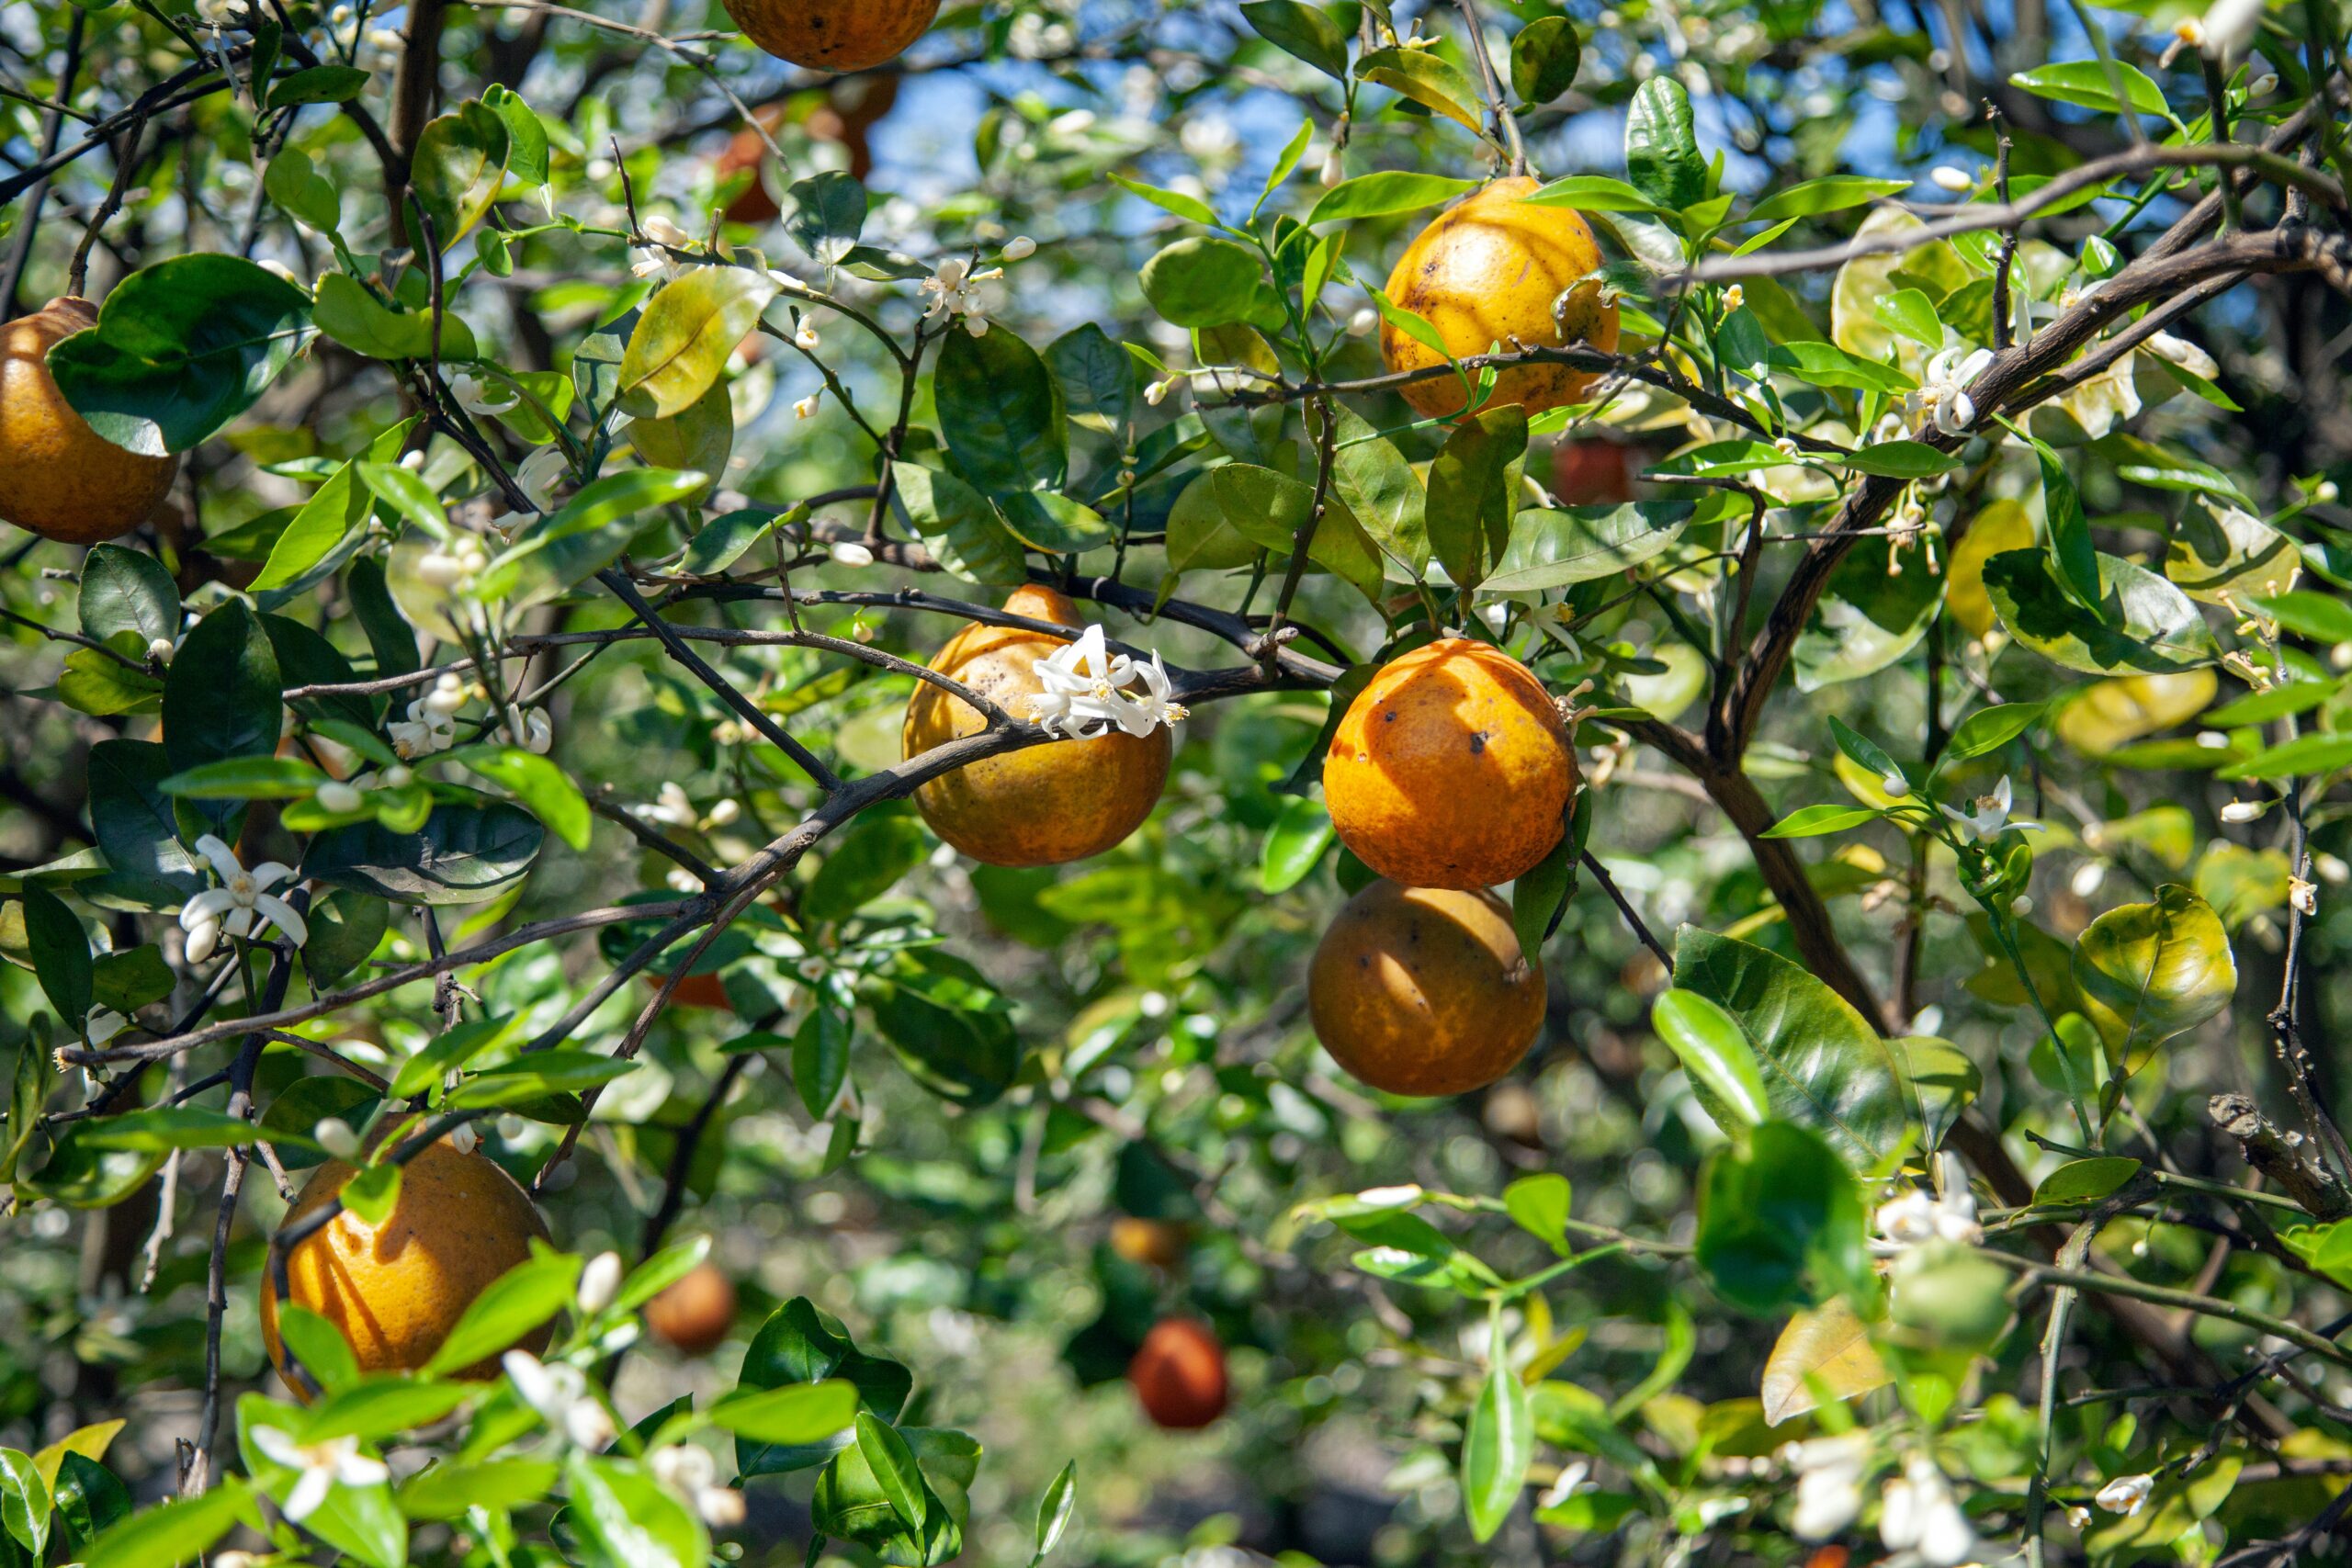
(1042, 804)
(694, 1316)
(834, 35)
(58, 477)
(1451, 768)
(1158, 1243)
(396, 1290)
(1423, 990)
(1179, 1375)
(1493, 270)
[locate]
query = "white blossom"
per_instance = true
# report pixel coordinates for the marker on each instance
(538, 474)
(1990, 820)
(807, 407)
(1021, 248)
(806, 338)
(336, 797)
(672, 807)
(336, 1461)
(690, 1472)
(1829, 1482)
(2303, 896)
(1942, 399)
(2125, 1494)
(2244, 810)
(426, 730)
(848, 553)
(1917, 1512)
(161, 649)
(600, 1281)
(559, 1394)
(953, 290)
(1086, 689)
(2225, 29)
(477, 396)
(664, 232)
(1918, 1215)
(453, 566)
(241, 905)
(539, 732)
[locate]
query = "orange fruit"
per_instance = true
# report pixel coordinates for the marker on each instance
(59, 477)
(1451, 768)
(1154, 1242)
(695, 991)
(755, 203)
(1494, 271)
(834, 35)
(1423, 990)
(396, 1290)
(694, 1316)
(1043, 805)
(1179, 1375)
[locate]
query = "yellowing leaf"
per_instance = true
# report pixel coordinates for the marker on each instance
(2115, 713)
(1828, 1349)
(90, 1442)
(2001, 525)
(683, 341)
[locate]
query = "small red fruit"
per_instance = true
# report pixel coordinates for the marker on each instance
(1179, 1375)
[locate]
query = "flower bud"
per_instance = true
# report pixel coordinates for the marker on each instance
(849, 554)
(1021, 249)
(337, 796)
(1957, 181)
(599, 1282)
(336, 1136)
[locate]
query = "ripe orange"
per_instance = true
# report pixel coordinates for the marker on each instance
(1155, 1242)
(694, 1316)
(1451, 768)
(1494, 271)
(395, 1290)
(1043, 805)
(1423, 990)
(834, 35)
(1179, 1375)
(58, 477)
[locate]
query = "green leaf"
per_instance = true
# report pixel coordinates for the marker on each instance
(1204, 281)
(1055, 1510)
(2307, 754)
(1301, 30)
(1989, 729)
(1780, 1220)
(961, 529)
(463, 854)
(511, 1306)
(301, 191)
(1543, 58)
(25, 1505)
(895, 1470)
(346, 313)
(181, 348)
(1812, 821)
(1913, 314)
(1270, 509)
(1662, 158)
(247, 778)
(1834, 194)
(124, 590)
(536, 1077)
(2092, 84)
(1372, 480)
(685, 335)
(1900, 459)
(527, 135)
(1722, 1065)
(175, 1532)
(2148, 972)
(1294, 844)
(1591, 193)
(2086, 1180)
(799, 1415)
(90, 1499)
(460, 162)
(1539, 1205)
(1470, 510)
(625, 1518)
(865, 864)
(334, 512)
(1541, 893)
(828, 214)
(318, 84)
(159, 1129)
(947, 1026)
(1383, 193)
(221, 698)
(1002, 414)
(1428, 79)
(128, 981)
(1943, 1076)
(2145, 624)
(2322, 617)
(1191, 208)
(1498, 1445)
(800, 1345)
(451, 1487)
(586, 535)
(539, 785)
(1824, 1067)
(725, 539)
(1557, 549)
(447, 1052)
(2072, 557)
(324, 1353)
(1097, 378)
(60, 951)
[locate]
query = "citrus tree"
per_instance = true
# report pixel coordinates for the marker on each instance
(899, 782)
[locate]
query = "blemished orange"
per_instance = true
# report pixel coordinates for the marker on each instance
(834, 35)
(1494, 271)
(1424, 990)
(1179, 1375)
(396, 1290)
(1043, 805)
(1451, 768)
(59, 477)
(694, 1316)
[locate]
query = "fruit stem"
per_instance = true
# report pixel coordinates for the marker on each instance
(1504, 119)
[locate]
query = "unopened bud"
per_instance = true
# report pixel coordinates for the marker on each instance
(336, 1136)
(1021, 249)
(599, 1282)
(1957, 181)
